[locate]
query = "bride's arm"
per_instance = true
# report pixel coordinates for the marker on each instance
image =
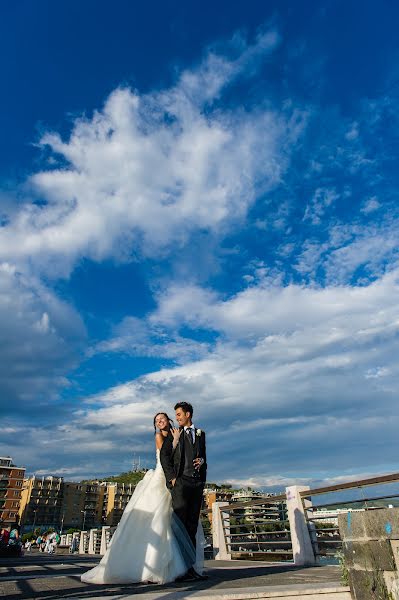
(176, 433)
(167, 461)
(159, 440)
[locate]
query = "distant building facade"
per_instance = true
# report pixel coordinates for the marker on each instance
(212, 495)
(11, 484)
(266, 508)
(73, 505)
(93, 505)
(52, 502)
(41, 502)
(116, 497)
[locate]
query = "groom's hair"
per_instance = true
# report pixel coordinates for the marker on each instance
(186, 406)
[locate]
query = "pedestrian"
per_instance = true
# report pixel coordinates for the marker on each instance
(74, 545)
(4, 536)
(28, 545)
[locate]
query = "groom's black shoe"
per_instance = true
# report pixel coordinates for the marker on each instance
(196, 576)
(186, 577)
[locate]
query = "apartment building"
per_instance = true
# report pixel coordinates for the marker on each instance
(52, 502)
(265, 507)
(41, 502)
(93, 501)
(73, 505)
(116, 497)
(11, 484)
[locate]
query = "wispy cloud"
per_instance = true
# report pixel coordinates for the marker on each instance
(41, 338)
(147, 170)
(370, 206)
(295, 366)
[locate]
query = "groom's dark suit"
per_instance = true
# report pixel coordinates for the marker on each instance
(188, 489)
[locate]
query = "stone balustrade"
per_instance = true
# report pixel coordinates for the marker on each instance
(371, 552)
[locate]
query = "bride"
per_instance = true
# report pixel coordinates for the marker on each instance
(150, 543)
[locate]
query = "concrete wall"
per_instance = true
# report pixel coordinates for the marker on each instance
(371, 550)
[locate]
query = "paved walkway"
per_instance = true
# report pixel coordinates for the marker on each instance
(48, 577)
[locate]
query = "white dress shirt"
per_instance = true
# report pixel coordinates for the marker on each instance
(192, 432)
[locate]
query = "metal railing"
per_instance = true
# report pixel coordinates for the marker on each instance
(267, 528)
(323, 523)
(258, 529)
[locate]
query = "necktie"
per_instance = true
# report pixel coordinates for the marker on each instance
(189, 433)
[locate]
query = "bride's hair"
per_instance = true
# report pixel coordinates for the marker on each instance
(171, 424)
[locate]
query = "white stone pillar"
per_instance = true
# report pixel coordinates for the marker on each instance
(103, 547)
(301, 543)
(220, 525)
(82, 542)
(92, 542)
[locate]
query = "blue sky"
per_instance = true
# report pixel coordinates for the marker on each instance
(199, 202)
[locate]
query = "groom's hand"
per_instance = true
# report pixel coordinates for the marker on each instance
(198, 462)
(173, 482)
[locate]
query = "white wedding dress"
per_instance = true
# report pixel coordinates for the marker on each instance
(150, 543)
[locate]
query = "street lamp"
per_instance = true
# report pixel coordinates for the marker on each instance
(34, 519)
(62, 523)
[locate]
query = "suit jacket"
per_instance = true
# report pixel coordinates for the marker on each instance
(172, 461)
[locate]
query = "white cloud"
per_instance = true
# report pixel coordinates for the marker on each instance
(134, 336)
(39, 341)
(147, 170)
(371, 205)
(373, 248)
(322, 199)
(294, 369)
(274, 310)
(353, 132)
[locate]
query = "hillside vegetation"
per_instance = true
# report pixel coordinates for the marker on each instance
(132, 477)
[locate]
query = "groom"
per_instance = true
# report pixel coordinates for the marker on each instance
(185, 472)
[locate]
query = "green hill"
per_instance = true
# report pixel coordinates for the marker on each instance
(132, 477)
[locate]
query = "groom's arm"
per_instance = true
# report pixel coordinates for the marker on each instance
(167, 460)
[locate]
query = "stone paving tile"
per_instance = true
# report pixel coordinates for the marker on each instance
(60, 578)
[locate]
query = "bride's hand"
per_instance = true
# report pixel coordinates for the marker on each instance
(176, 434)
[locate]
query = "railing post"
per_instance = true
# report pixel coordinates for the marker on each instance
(220, 529)
(103, 547)
(82, 542)
(75, 542)
(302, 549)
(92, 542)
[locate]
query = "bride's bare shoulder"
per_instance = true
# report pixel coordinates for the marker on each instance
(159, 440)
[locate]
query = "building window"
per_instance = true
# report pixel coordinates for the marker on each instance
(19, 484)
